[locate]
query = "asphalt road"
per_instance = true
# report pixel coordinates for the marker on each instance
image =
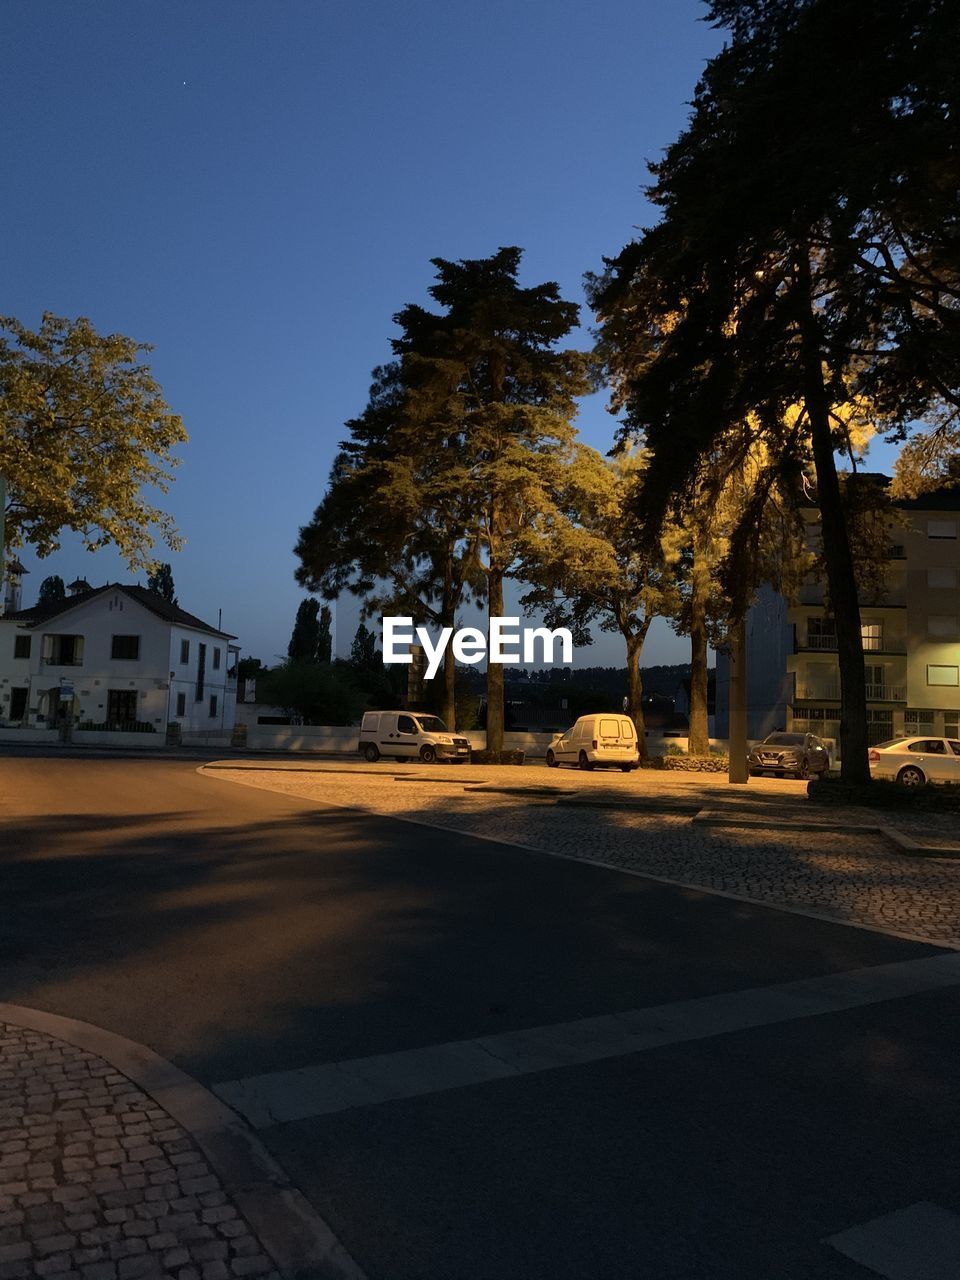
(241, 933)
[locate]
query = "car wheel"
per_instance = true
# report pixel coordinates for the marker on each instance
(370, 753)
(428, 755)
(585, 763)
(911, 776)
(625, 768)
(551, 760)
(754, 773)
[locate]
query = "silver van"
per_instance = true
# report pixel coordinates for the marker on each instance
(408, 735)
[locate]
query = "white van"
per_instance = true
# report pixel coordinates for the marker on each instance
(408, 735)
(607, 739)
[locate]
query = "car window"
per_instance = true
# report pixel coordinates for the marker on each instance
(955, 746)
(890, 742)
(928, 746)
(405, 724)
(626, 728)
(609, 728)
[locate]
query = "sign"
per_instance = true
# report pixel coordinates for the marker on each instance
(66, 689)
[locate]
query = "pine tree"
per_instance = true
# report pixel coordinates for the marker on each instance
(325, 638)
(161, 581)
(51, 589)
(305, 640)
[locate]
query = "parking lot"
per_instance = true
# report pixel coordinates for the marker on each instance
(763, 842)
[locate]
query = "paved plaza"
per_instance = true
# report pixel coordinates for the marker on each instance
(787, 852)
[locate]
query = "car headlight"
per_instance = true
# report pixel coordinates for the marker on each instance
(446, 742)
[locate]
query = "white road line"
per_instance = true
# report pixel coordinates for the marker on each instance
(279, 1096)
(921, 1242)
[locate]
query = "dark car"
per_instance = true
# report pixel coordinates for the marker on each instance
(795, 755)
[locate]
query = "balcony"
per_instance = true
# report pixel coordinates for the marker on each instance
(871, 644)
(829, 691)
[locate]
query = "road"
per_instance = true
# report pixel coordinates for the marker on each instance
(244, 934)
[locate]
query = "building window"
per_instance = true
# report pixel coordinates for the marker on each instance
(821, 633)
(879, 726)
(942, 675)
(201, 671)
(18, 704)
(121, 707)
(21, 646)
(942, 529)
(63, 651)
(917, 722)
(942, 626)
(216, 659)
(184, 652)
(126, 647)
(181, 704)
(942, 578)
(213, 705)
(951, 724)
(872, 635)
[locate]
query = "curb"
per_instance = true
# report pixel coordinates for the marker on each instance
(902, 843)
(298, 1240)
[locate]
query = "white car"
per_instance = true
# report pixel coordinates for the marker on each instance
(606, 739)
(914, 761)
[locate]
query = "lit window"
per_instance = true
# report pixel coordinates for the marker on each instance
(942, 675)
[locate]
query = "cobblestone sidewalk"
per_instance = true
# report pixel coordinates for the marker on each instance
(98, 1183)
(854, 878)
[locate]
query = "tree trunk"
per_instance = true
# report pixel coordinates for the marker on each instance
(635, 688)
(841, 578)
(449, 716)
(494, 669)
(698, 734)
(449, 619)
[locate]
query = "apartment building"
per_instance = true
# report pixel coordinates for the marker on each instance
(911, 634)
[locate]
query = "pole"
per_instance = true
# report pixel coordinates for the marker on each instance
(738, 704)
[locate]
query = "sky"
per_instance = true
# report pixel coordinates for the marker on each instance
(256, 187)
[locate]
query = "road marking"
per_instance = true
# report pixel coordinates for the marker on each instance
(280, 1096)
(921, 1242)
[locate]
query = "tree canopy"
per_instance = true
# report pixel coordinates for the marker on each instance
(161, 581)
(84, 431)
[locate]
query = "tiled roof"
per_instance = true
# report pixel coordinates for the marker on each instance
(149, 599)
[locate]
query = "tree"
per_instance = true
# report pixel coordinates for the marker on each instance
(589, 565)
(363, 650)
(319, 692)
(51, 588)
(161, 581)
(84, 430)
(455, 458)
(836, 282)
(325, 637)
(505, 396)
(304, 643)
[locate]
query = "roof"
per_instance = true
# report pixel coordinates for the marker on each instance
(150, 600)
(936, 500)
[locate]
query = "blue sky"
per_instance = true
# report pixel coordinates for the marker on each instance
(256, 188)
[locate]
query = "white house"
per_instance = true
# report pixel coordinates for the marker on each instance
(115, 660)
